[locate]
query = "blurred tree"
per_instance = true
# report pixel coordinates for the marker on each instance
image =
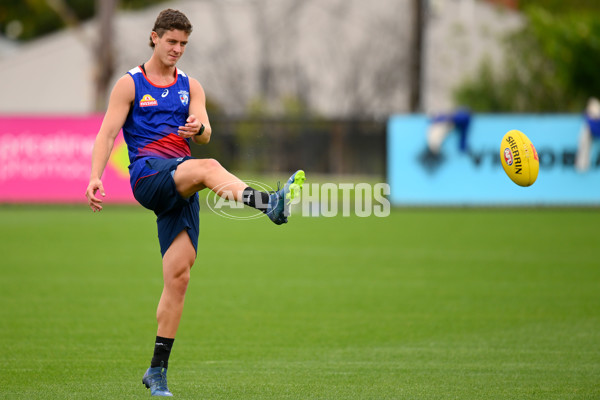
(28, 19)
(104, 51)
(562, 6)
(551, 66)
(416, 56)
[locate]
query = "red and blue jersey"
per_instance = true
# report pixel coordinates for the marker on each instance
(150, 129)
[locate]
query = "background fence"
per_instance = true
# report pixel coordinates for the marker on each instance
(282, 145)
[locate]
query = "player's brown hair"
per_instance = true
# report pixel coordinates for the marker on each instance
(168, 20)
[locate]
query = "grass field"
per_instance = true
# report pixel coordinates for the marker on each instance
(423, 304)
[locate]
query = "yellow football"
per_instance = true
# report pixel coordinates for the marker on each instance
(519, 158)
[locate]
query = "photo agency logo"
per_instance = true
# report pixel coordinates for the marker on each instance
(222, 201)
(316, 200)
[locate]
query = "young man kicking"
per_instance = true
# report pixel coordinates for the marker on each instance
(161, 109)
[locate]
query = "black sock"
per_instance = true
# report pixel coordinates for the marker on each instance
(256, 199)
(162, 351)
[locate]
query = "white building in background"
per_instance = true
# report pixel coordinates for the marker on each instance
(341, 57)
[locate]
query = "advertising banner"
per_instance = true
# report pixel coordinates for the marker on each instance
(466, 168)
(48, 160)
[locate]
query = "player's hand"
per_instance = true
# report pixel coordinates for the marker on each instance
(94, 202)
(191, 128)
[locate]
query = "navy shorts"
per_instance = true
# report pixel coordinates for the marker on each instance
(174, 213)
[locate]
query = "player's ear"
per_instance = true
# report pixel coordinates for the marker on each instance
(154, 37)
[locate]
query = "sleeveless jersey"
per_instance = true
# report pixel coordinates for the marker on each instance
(150, 129)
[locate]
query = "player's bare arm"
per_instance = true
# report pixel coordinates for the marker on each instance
(198, 116)
(118, 107)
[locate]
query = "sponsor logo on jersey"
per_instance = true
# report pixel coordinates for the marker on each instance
(184, 96)
(147, 101)
(165, 93)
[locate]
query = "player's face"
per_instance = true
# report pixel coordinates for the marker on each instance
(170, 46)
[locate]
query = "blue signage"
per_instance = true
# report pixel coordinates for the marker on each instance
(472, 174)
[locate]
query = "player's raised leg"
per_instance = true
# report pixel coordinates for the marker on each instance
(196, 174)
